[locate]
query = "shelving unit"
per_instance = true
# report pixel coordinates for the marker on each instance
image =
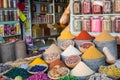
(9, 22)
(81, 15)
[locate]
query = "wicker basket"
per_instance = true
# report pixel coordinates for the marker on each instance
(94, 64)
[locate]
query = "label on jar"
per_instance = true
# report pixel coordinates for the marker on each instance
(77, 25)
(76, 7)
(117, 6)
(107, 7)
(86, 24)
(87, 7)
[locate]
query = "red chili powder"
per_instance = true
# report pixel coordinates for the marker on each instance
(84, 35)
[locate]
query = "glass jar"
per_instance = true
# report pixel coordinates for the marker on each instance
(86, 24)
(86, 7)
(107, 24)
(10, 4)
(77, 7)
(6, 15)
(5, 3)
(15, 15)
(14, 4)
(1, 3)
(96, 24)
(77, 23)
(117, 24)
(107, 7)
(97, 7)
(1, 15)
(117, 6)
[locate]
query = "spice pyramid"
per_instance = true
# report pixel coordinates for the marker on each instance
(104, 36)
(92, 53)
(53, 49)
(65, 35)
(81, 69)
(37, 61)
(71, 50)
(84, 35)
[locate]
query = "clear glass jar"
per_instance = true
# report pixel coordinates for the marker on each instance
(77, 23)
(86, 24)
(96, 24)
(1, 3)
(107, 24)
(117, 24)
(107, 7)
(117, 6)
(97, 7)
(6, 15)
(86, 7)
(1, 15)
(77, 7)
(5, 3)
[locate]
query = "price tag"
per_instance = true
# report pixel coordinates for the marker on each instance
(22, 16)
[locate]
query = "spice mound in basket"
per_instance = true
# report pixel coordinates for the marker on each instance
(72, 61)
(66, 43)
(85, 45)
(57, 71)
(37, 68)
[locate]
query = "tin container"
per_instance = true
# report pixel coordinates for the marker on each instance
(107, 24)
(86, 24)
(96, 24)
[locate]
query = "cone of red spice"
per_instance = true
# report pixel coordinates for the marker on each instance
(56, 62)
(84, 35)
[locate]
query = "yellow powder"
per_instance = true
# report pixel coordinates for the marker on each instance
(92, 53)
(37, 61)
(66, 35)
(104, 36)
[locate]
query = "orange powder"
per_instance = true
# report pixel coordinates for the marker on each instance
(84, 35)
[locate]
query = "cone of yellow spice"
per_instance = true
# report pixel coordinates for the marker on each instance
(37, 61)
(65, 35)
(92, 53)
(104, 36)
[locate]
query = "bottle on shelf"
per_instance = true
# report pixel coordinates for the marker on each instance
(117, 24)
(77, 7)
(97, 7)
(116, 6)
(107, 24)
(86, 24)
(86, 7)
(96, 24)
(107, 6)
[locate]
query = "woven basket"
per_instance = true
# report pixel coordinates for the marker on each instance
(94, 64)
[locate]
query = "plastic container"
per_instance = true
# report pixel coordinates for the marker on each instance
(107, 24)
(86, 24)
(87, 7)
(96, 24)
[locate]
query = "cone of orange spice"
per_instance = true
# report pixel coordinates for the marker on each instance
(84, 35)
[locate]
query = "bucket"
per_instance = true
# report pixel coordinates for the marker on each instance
(20, 49)
(111, 45)
(7, 52)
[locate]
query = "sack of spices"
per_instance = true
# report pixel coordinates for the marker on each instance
(104, 39)
(93, 58)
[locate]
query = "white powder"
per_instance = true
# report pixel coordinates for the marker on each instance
(81, 69)
(53, 49)
(71, 50)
